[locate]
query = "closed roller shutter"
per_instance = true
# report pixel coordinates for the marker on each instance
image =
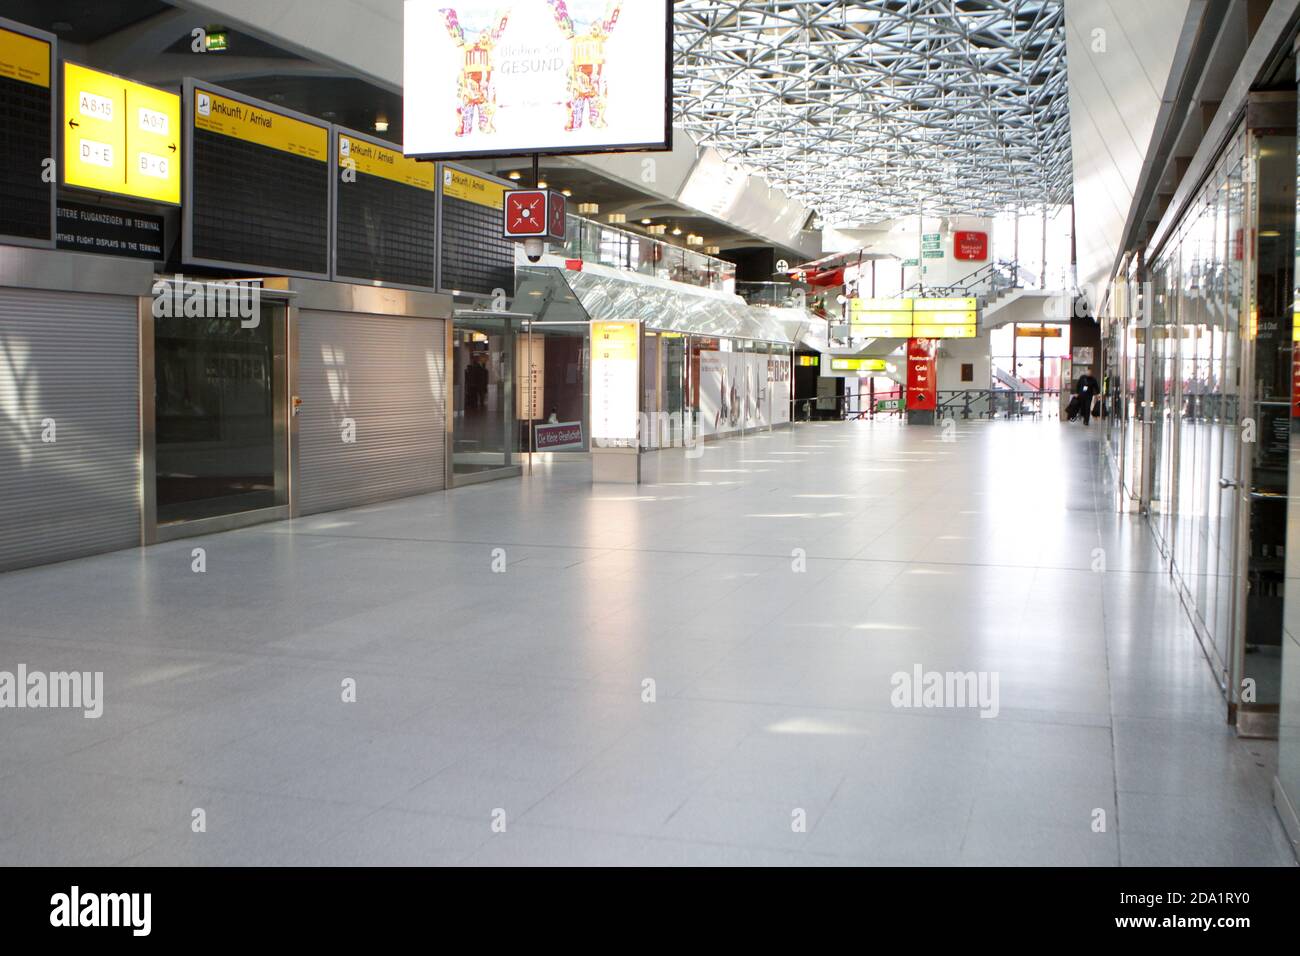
(388, 375)
(75, 359)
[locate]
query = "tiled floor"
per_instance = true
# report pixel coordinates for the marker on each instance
(769, 589)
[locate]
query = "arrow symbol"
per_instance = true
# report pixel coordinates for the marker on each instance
(172, 147)
(73, 123)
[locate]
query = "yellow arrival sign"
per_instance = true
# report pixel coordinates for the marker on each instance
(24, 58)
(257, 124)
(471, 188)
(366, 157)
(120, 137)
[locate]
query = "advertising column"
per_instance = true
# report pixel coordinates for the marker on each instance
(922, 384)
(615, 389)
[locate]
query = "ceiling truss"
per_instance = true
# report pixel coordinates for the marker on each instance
(871, 110)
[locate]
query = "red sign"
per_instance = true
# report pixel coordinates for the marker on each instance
(526, 213)
(1295, 381)
(922, 377)
(535, 214)
(971, 246)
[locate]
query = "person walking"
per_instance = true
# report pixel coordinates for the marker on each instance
(1088, 388)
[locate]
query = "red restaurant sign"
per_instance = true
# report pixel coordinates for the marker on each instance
(922, 382)
(970, 246)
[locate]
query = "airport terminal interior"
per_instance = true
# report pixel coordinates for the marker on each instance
(630, 433)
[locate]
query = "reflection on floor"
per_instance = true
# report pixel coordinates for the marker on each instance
(501, 639)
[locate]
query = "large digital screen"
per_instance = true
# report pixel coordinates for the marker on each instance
(510, 77)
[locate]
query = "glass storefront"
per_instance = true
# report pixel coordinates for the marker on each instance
(1205, 401)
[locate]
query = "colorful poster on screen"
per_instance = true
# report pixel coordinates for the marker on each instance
(505, 77)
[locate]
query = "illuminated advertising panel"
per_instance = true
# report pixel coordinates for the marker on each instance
(507, 77)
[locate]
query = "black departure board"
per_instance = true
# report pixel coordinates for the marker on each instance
(27, 174)
(258, 193)
(475, 258)
(386, 214)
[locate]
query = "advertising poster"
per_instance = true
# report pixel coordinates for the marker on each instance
(518, 76)
(778, 388)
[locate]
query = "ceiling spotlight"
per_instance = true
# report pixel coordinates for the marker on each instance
(566, 193)
(514, 175)
(381, 124)
(542, 184)
(658, 230)
(646, 222)
(617, 218)
(677, 231)
(588, 209)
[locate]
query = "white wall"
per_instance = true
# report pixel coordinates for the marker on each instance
(1120, 55)
(953, 353)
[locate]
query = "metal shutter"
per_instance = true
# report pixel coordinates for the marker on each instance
(388, 375)
(73, 358)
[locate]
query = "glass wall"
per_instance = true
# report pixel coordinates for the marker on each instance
(606, 245)
(1219, 419)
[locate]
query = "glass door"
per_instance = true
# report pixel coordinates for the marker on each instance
(220, 419)
(486, 395)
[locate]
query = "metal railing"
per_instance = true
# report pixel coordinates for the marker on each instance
(856, 406)
(596, 242)
(991, 403)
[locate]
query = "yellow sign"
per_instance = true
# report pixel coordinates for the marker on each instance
(120, 137)
(881, 305)
(900, 330)
(945, 305)
(930, 330)
(373, 160)
(1050, 332)
(259, 125)
(857, 365)
(471, 188)
(24, 58)
(612, 341)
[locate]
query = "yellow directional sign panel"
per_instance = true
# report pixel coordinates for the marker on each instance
(899, 330)
(120, 137)
(927, 330)
(257, 124)
(945, 305)
(374, 160)
(857, 365)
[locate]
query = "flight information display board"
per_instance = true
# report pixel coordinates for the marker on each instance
(258, 192)
(385, 214)
(27, 135)
(475, 258)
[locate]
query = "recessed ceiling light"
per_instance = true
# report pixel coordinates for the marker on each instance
(515, 176)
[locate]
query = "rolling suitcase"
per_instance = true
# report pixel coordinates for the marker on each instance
(1073, 409)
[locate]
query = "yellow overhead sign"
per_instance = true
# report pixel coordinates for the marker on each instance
(24, 58)
(259, 125)
(120, 137)
(857, 365)
(900, 330)
(471, 188)
(945, 305)
(928, 330)
(374, 160)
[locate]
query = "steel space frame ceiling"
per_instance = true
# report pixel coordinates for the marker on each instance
(870, 110)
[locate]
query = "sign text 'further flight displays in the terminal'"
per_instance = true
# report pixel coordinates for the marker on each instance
(120, 137)
(507, 77)
(258, 190)
(27, 181)
(386, 214)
